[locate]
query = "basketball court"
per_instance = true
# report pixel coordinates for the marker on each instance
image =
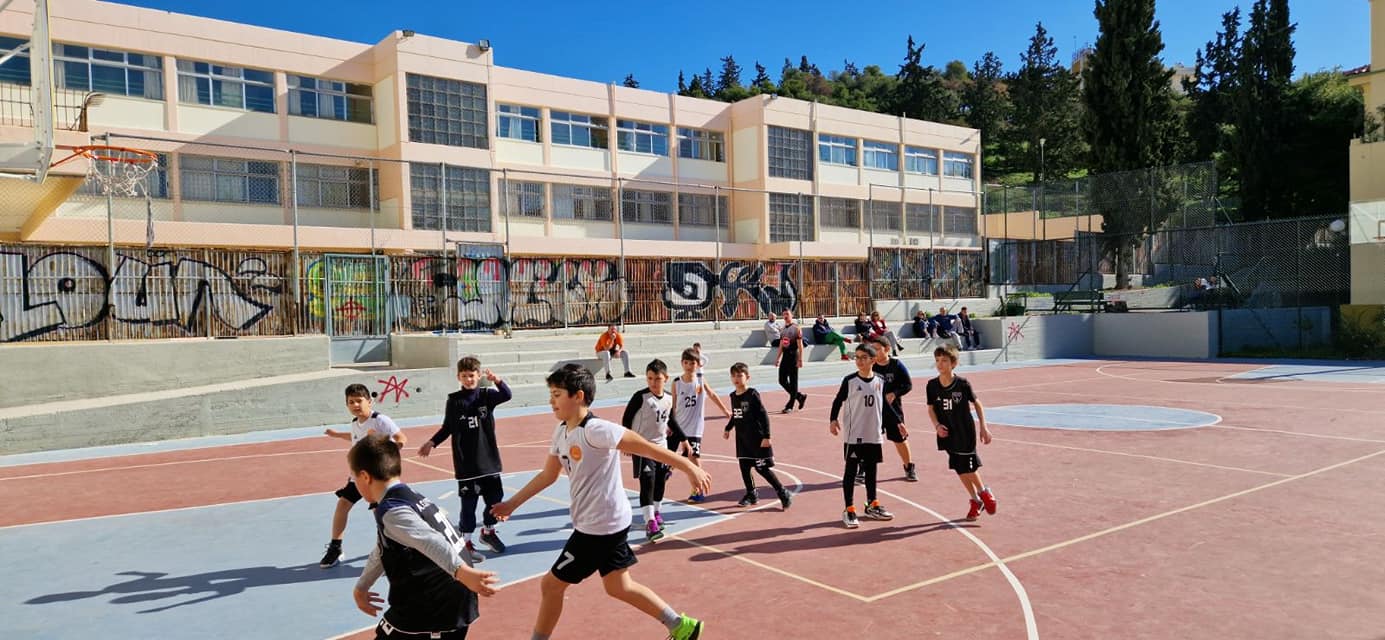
(1138, 499)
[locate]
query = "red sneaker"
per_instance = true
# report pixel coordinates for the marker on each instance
(988, 501)
(975, 510)
(844, 357)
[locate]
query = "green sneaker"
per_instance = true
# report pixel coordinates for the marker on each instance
(687, 629)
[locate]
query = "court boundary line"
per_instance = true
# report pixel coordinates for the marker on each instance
(1217, 381)
(1144, 456)
(1257, 405)
(1324, 436)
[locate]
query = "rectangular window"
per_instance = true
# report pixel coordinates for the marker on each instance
(16, 69)
(649, 207)
(524, 199)
(155, 184)
(213, 84)
(837, 150)
(336, 187)
(957, 165)
(450, 112)
(790, 153)
(330, 99)
(581, 203)
(211, 179)
(642, 137)
(921, 218)
(790, 218)
(697, 144)
(885, 216)
(698, 210)
(517, 123)
(578, 130)
(880, 155)
(468, 195)
(920, 160)
(959, 221)
(840, 213)
(77, 68)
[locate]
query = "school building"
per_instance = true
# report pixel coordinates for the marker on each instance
(1368, 176)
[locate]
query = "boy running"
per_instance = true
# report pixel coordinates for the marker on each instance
(364, 421)
(948, 396)
(690, 395)
(859, 404)
(751, 424)
(650, 414)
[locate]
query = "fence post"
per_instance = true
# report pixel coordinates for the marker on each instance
(620, 227)
(837, 288)
(297, 258)
(716, 264)
(211, 295)
(1298, 279)
(801, 279)
(562, 265)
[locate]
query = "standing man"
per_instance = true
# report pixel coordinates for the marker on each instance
(611, 345)
(790, 360)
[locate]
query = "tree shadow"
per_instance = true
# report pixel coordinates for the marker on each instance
(769, 541)
(151, 585)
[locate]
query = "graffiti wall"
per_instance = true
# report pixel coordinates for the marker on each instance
(917, 274)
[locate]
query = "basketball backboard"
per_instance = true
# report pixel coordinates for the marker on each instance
(31, 159)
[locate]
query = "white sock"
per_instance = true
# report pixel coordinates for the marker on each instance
(648, 511)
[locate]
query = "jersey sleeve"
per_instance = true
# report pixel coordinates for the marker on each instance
(449, 415)
(967, 391)
(387, 426)
(499, 395)
(632, 410)
(405, 526)
(931, 392)
(903, 383)
(553, 448)
(603, 434)
(757, 412)
(841, 397)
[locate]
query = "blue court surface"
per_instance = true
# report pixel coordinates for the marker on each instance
(136, 575)
(1099, 417)
(1364, 374)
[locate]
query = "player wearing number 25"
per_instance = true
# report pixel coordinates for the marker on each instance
(470, 421)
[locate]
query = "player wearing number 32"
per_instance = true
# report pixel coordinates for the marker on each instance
(588, 449)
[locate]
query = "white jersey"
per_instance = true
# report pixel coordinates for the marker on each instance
(859, 401)
(647, 415)
(690, 406)
(589, 455)
(377, 422)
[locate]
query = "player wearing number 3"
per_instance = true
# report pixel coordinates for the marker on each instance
(588, 449)
(948, 397)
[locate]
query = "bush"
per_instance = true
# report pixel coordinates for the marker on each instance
(1363, 336)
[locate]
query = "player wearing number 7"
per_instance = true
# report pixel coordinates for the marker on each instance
(588, 449)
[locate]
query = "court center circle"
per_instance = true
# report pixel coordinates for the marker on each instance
(1100, 417)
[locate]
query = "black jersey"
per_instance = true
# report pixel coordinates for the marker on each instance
(422, 596)
(898, 382)
(470, 420)
(952, 405)
(751, 422)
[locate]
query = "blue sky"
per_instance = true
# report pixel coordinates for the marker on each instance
(655, 40)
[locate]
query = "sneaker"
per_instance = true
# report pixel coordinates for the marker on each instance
(844, 357)
(975, 510)
(469, 552)
(911, 473)
(988, 501)
(609, 377)
(332, 557)
(687, 629)
(788, 408)
(802, 398)
(490, 539)
(653, 531)
(784, 499)
(659, 519)
(749, 499)
(877, 512)
(697, 498)
(849, 519)
(629, 375)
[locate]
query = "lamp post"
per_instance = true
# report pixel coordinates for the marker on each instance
(1043, 177)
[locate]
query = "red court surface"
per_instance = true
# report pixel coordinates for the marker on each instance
(1267, 524)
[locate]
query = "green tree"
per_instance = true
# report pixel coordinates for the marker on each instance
(1262, 119)
(695, 89)
(730, 77)
(630, 81)
(682, 84)
(1327, 113)
(1047, 108)
(986, 105)
(762, 83)
(1212, 88)
(920, 92)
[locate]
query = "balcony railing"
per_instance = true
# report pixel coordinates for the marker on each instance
(69, 107)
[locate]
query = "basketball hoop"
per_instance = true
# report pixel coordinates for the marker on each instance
(120, 171)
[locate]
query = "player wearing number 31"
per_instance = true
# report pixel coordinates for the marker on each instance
(588, 449)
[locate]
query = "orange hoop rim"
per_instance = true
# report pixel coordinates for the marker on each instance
(107, 153)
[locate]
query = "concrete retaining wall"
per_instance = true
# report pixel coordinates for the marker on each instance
(1275, 328)
(1036, 337)
(1156, 335)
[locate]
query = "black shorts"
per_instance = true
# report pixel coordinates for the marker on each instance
(349, 492)
(648, 466)
(585, 554)
(694, 446)
(864, 452)
(486, 487)
(892, 432)
(386, 631)
(963, 462)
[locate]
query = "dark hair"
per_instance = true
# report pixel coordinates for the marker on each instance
(882, 341)
(946, 350)
(689, 356)
(376, 455)
(357, 391)
(657, 366)
(740, 367)
(866, 347)
(697, 345)
(469, 363)
(573, 378)
(964, 308)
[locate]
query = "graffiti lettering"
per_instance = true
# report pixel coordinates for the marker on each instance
(689, 288)
(60, 290)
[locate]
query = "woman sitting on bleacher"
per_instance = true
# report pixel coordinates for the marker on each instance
(878, 328)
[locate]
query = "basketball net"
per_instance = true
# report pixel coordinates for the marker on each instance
(121, 172)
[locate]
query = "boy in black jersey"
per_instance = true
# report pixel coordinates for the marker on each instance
(433, 588)
(470, 421)
(897, 383)
(948, 397)
(859, 402)
(751, 423)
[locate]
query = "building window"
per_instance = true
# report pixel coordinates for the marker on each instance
(840, 213)
(698, 210)
(837, 150)
(697, 144)
(78, 68)
(959, 221)
(213, 84)
(920, 160)
(578, 130)
(957, 165)
(524, 198)
(641, 137)
(581, 203)
(921, 218)
(229, 179)
(790, 153)
(450, 112)
(885, 216)
(16, 69)
(468, 198)
(649, 207)
(880, 155)
(790, 218)
(517, 123)
(336, 187)
(155, 184)
(330, 99)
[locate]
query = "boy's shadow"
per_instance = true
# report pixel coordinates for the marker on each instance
(151, 585)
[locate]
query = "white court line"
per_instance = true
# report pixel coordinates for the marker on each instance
(1218, 382)
(1257, 405)
(1139, 455)
(1300, 433)
(1166, 425)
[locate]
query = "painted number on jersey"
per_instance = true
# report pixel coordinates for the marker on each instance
(689, 401)
(870, 401)
(947, 404)
(472, 422)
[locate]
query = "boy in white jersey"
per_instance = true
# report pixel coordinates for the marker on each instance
(588, 449)
(650, 414)
(364, 422)
(859, 403)
(690, 395)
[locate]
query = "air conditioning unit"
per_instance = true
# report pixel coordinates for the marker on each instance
(914, 241)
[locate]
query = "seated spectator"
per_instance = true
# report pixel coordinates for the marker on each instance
(610, 345)
(862, 326)
(823, 334)
(878, 329)
(970, 338)
(942, 323)
(773, 330)
(923, 327)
